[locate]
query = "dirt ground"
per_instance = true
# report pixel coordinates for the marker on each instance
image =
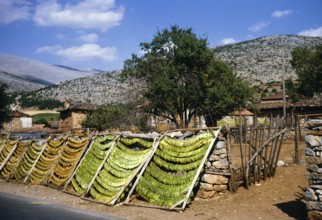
(280, 197)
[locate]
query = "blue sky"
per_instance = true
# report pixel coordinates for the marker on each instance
(102, 34)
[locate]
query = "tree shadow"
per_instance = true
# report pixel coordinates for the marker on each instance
(295, 209)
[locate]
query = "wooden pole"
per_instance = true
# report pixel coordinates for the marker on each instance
(199, 170)
(52, 170)
(33, 166)
(267, 142)
(80, 159)
(19, 158)
(246, 156)
(101, 165)
(296, 137)
(241, 146)
(9, 155)
(4, 142)
(278, 153)
(250, 153)
(155, 147)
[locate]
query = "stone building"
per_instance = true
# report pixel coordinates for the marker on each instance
(308, 106)
(273, 105)
(19, 122)
(71, 117)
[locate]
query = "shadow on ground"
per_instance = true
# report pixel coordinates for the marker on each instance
(295, 209)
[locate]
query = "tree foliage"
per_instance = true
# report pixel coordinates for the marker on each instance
(112, 116)
(172, 67)
(181, 77)
(28, 100)
(4, 105)
(307, 63)
(225, 92)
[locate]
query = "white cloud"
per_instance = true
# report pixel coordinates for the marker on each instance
(87, 14)
(227, 40)
(280, 14)
(84, 52)
(258, 26)
(48, 49)
(89, 38)
(14, 10)
(312, 32)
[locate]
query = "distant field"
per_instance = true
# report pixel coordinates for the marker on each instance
(47, 116)
(35, 112)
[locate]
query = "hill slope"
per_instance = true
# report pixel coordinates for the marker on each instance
(32, 74)
(257, 61)
(260, 60)
(99, 88)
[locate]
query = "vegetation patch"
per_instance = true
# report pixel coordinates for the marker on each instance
(44, 118)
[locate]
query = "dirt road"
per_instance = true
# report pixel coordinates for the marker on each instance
(277, 198)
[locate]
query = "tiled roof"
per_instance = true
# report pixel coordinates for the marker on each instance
(313, 102)
(80, 106)
(274, 105)
(243, 112)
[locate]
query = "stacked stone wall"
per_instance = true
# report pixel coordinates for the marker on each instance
(216, 177)
(313, 194)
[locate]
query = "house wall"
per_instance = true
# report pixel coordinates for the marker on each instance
(14, 125)
(26, 122)
(77, 119)
(71, 119)
(65, 121)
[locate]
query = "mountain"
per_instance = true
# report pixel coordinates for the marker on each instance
(99, 88)
(32, 74)
(22, 83)
(260, 60)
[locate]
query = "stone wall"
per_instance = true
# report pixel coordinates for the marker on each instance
(313, 194)
(217, 172)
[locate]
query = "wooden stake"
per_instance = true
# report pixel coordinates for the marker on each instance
(278, 153)
(9, 155)
(199, 170)
(4, 142)
(80, 159)
(33, 166)
(134, 173)
(155, 146)
(101, 165)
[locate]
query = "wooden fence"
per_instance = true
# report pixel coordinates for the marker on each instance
(260, 145)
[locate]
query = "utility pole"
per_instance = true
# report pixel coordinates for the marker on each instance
(283, 85)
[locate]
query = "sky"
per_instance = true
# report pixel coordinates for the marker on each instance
(102, 34)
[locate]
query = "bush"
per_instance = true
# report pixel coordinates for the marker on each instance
(41, 121)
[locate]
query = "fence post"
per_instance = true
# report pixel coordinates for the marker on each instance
(296, 137)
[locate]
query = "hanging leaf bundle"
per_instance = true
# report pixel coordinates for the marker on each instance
(68, 160)
(9, 145)
(167, 179)
(94, 157)
(29, 159)
(14, 160)
(120, 168)
(47, 160)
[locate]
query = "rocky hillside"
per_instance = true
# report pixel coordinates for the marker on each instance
(100, 88)
(260, 60)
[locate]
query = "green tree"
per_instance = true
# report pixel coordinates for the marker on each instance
(225, 92)
(307, 63)
(173, 67)
(115, 116)
(292, 90)
(4, 105)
